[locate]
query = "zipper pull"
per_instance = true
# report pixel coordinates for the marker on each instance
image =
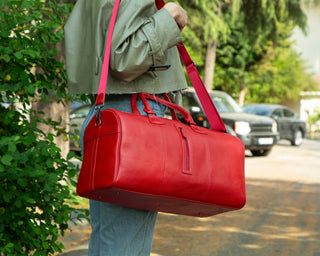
(183, 133)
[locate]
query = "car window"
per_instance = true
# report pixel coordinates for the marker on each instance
(188, 101)
(288, 113)
(257, 110)
(225, 104)
(80, 113)
(277, 113)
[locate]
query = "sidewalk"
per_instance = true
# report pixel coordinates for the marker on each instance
(76, 241)
(280, 218)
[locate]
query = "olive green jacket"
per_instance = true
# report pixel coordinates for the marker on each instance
(143, 36)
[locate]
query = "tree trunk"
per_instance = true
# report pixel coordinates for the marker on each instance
(56, 111)
(242, 95)
(209, 65)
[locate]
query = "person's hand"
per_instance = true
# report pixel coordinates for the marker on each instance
(178, 13)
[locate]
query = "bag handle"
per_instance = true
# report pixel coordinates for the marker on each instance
(210, 110)
(144, 96)
(135, 109)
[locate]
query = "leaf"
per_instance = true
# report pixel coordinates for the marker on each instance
(31, 52)
(22, 182)
(50, 163)
(26, 4)
(18, 204)
(6, 159)
(12, 146)
(47, 198)
(70, 155)
(7, 196)
(10, 245)
(6, 58)
(18, 55)
(30, 89)
(48, 187)
(45, 245)
(3, 3)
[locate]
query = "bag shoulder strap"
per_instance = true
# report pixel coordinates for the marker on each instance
(210, 110)
(207, 104)
(105, 66)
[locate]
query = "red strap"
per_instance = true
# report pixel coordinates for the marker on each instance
(210, 110)
(173, 113)
(105, 66)
(135, 109)
(160, 4)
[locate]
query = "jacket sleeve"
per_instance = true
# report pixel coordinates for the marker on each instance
(133, 54)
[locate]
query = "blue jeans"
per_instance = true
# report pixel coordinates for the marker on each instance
(117, 230)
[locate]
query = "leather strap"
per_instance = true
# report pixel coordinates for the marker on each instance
(105, 66)
(208, 106)
(147, 108)
(210, 110)
(187, 117)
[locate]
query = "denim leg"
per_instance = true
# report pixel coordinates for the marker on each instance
(94, 244)
(125, 231)
(117, 230)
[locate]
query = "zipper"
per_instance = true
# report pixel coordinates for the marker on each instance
(185, 139)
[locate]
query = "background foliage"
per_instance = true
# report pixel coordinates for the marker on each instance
(33, 174)
(254, 57)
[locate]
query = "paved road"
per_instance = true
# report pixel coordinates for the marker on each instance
(281, 217)
(301, 164)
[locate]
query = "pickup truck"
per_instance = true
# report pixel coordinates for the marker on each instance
(258, 133)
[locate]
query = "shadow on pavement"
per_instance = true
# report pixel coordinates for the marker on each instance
(280, 218)
(82, 252)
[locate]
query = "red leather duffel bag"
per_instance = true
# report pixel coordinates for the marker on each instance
(157, 164)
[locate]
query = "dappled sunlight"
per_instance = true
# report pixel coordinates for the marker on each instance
(208, 220)
(280, 218)
(251, 246)
(202, 228)
(258, 183)
(273, 232)
(290, 233)
(264, 232)
(284, 214)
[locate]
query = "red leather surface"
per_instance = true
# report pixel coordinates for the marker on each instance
(158, 164)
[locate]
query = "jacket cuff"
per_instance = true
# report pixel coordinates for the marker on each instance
(162, 32)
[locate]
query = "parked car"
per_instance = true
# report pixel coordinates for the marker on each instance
(257, 133)
(290, 126)
(78, 113)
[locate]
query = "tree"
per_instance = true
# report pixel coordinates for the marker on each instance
(239, 30)
(264, 20)
(243, 54)
(280, 75)
(206, 27)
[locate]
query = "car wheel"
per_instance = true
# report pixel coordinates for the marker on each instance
(297, 138)
(261, 152)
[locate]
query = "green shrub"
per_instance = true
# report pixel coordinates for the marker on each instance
(33, 189)
(34, 177)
